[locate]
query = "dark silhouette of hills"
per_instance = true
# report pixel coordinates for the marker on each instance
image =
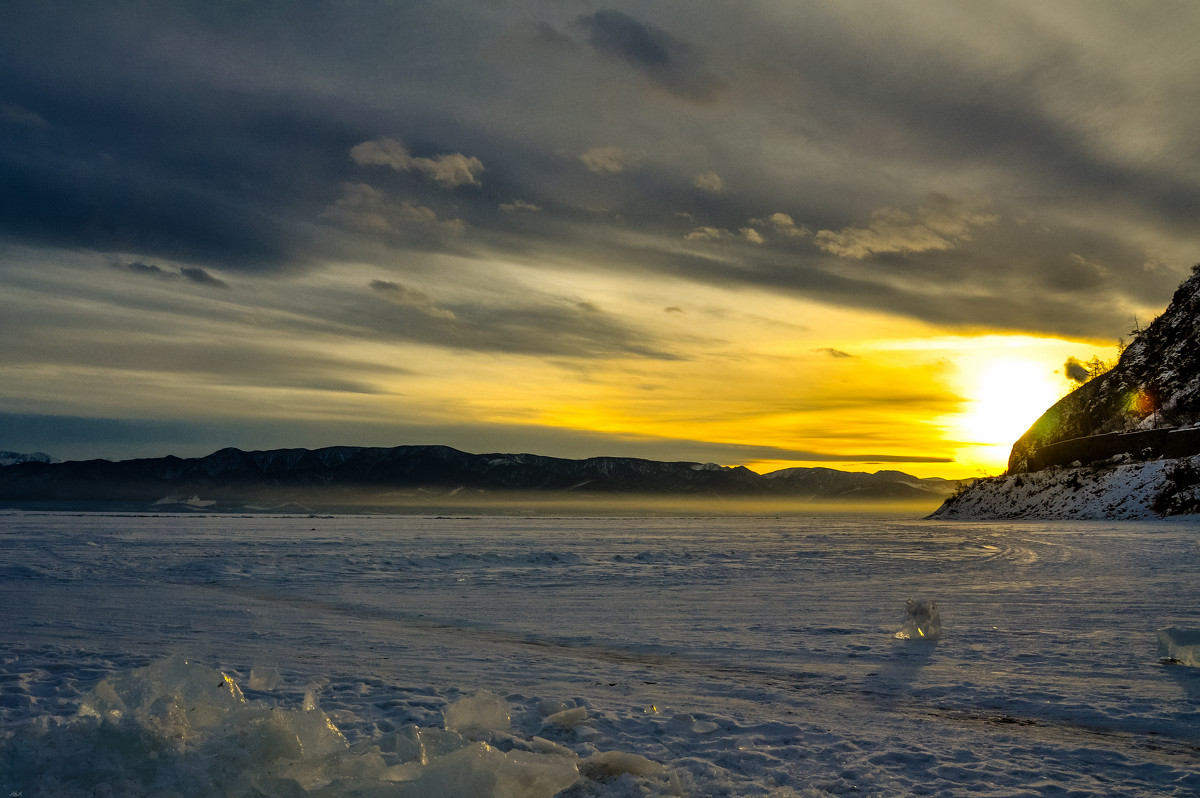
(351, 475)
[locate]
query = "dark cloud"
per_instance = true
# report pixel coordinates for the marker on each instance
(994, 169)
(563, 329)
(1075, 370)
(828, 350)
(667, 61)
(408, 297)
(193, 274)
(201, 277)
(18, 115)
(249, 167)
(148, 269)
(244, 362)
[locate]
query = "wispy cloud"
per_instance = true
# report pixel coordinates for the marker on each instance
(202, 277)
(519, 206)
(606, 160)
(20, 115)
(451, 170)
(706, 233)
(938, 226)
(664, 59)
(710, 182)
(411, 298)
(193, 274)
(370, 209)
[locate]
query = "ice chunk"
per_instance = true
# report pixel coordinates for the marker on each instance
(480, 771)
(483, 711)
(268, 734)
(568, 717)
(172, 693)
(540, 745)
(179, 728)
(1180, 645)
(683, 722)
(264, 678)
(413, 744)
(608, 764)
(550, 707)
(923, 621)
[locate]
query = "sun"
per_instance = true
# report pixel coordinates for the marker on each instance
(1006, 395)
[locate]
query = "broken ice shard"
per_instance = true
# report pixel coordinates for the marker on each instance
(1180, 645)
(922, 621)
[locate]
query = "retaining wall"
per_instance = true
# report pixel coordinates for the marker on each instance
(1143, 445)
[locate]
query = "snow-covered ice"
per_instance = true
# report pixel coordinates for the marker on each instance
(207, 655)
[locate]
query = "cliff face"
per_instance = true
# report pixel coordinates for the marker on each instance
(1156, 383)
(1152, 396)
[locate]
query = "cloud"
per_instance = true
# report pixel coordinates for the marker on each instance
(710, 182)
(519, 206)
(192, 273)
(201, 277)
(709, 233)
(451, 170)
(606, 160)
(20, 115)
(370, 210)
(1075, 370)
(529, 324)
(668, 62)
(939, 226)
(705, 233)
(148, 269)
(410, 298)
(837, 353)
(786, 226)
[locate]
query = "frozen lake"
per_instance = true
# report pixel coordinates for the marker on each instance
(747, 656)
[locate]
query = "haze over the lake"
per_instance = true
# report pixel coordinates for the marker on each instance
(861, 235)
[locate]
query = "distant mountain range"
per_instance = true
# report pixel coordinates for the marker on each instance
(12, 458)
(353, 476)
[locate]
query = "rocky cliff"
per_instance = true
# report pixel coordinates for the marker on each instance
(1155, 384)
(1125, 444)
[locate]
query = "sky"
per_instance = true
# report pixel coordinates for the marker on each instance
(857, 235)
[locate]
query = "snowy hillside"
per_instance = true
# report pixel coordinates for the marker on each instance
(1123, 490)
(1154, 387)
(1156, 383)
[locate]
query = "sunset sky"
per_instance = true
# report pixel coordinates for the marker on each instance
(860, 235)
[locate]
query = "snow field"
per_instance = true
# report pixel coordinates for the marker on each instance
(701, 657)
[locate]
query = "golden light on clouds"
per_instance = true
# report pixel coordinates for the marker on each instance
(644, 366)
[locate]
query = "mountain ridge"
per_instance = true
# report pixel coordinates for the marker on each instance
(340, 475)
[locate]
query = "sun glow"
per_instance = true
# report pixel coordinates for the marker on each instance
(1009, 394)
